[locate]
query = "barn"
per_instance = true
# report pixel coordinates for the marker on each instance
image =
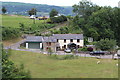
(34, 42)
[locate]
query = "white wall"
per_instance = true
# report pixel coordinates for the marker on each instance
(40, 45)
(61, 43)
(26, 45)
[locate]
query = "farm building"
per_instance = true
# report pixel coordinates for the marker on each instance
(55, 42)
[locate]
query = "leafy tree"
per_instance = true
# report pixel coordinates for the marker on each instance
(33, 11)
(4, 10)
(106, 44)
(59, 19)
(53, 13)
(85, 8)
(97, 22)
(9, 70)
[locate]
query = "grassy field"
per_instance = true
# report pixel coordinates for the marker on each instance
(14, 20)
(41, 66)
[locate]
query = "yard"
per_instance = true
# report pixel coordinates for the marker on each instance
(42, 66)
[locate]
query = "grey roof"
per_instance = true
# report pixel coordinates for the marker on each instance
(49, 39)
(68, 36)
(34, 39)
(53, 38)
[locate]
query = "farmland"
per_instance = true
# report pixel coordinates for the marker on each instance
(14, 20)
(12, 24)
(41, 66)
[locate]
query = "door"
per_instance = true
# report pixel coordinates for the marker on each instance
(33, 45)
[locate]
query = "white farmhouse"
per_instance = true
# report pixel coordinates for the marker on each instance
(55, 42)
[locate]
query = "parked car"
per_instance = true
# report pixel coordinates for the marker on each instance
(67, 50)
(116, 56)
(97, 53)
(118, 53)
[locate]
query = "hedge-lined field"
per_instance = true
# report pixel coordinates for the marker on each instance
(14, 26)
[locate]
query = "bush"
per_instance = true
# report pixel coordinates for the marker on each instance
(59, 19)
(68, 57)
(9, 33)
(63, 57)
(82, 49)
(10, 70)
(49, 20)
(90, 49)
(37, 34)
(106, 44)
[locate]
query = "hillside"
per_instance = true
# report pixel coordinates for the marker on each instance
(9, 20)
(42, 9)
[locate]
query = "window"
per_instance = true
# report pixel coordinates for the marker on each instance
(64, 40)
(78, 40)
(64, 46)
(90, 39)
(48, 43)
(57, 40)
(71, 40)
(78, 46)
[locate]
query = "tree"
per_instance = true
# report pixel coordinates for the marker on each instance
(33, 11)
(4, 10)
(85, 8)
(53, 13)
(9, 70)
(106, 44)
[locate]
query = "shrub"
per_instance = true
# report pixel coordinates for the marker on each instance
(68, 57)
(106, 44)
(10, 70)
(90, 49)
(37, 34)
(49, 20)
(59, 19)
(9, 33)
(82, 49)
(63, 57)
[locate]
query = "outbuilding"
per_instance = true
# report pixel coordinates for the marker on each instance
(34, 42)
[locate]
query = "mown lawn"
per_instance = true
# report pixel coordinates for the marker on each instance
(41, 66)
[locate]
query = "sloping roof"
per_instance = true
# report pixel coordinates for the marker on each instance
(68, 36)
(34, 39)
(49, 39)
(54, 37)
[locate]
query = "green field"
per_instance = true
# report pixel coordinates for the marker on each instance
(25, 24)
(14, 20)
(41, 66)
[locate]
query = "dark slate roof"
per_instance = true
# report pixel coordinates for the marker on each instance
(53, 38)
(34, 39)
(68, 36)
(49, 39)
